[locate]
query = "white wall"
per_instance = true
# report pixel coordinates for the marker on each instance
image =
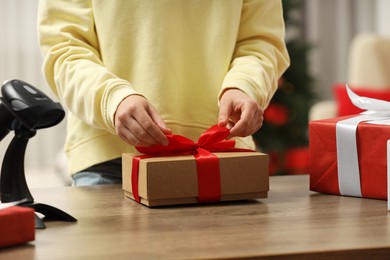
(20, 58)
(330, 26)
(382, 19)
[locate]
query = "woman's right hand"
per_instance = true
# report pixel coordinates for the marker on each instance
(138, 123)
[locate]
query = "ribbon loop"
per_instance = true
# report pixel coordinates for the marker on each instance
(213, 135)
(372, 105)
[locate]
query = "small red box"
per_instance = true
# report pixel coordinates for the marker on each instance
(17, 225)
(372, 154)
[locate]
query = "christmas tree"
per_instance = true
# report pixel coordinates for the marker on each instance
(284, 135)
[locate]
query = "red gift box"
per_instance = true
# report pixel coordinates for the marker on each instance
(371, 141)
(17, 225)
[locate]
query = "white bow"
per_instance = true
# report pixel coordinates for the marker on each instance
(371, 105)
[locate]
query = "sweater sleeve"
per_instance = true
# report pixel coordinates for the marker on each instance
(72, 64)
(260, 56)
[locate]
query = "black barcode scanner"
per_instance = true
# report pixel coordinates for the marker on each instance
(24, 109)
(24, 106)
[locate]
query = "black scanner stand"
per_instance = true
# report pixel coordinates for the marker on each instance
(24, 109)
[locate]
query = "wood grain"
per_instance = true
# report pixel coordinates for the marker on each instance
(292, 223)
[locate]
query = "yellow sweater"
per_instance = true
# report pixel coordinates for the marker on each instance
(179, 54)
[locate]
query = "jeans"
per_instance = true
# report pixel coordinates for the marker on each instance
(87, 178)
(109, 172)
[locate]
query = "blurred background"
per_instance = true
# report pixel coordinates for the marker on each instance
(319, 36)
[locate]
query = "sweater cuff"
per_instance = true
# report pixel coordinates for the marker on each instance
(247, 86)
(114, 97)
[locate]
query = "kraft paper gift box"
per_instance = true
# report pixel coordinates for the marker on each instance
(173, 180)
(17, 225)
(371, 140)
(185, 172)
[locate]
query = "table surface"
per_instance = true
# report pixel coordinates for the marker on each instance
(292, 222)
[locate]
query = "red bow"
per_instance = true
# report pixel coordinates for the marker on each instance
(212, 140)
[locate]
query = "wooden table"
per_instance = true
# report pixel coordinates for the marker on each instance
(292, 223)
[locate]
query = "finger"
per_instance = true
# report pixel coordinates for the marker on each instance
(150, 127)
(250, 120)
(162, 130)
(223, 116)
(159, 122)
(257, 125)
(131, 139)
(243, 124)
(134, 134)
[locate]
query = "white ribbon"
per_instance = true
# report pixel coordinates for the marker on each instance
(377, 112)
(371, 105)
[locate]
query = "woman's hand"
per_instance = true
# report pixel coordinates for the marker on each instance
(138, 123)
(240, 113)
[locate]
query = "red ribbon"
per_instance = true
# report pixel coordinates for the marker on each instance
(212, 140)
